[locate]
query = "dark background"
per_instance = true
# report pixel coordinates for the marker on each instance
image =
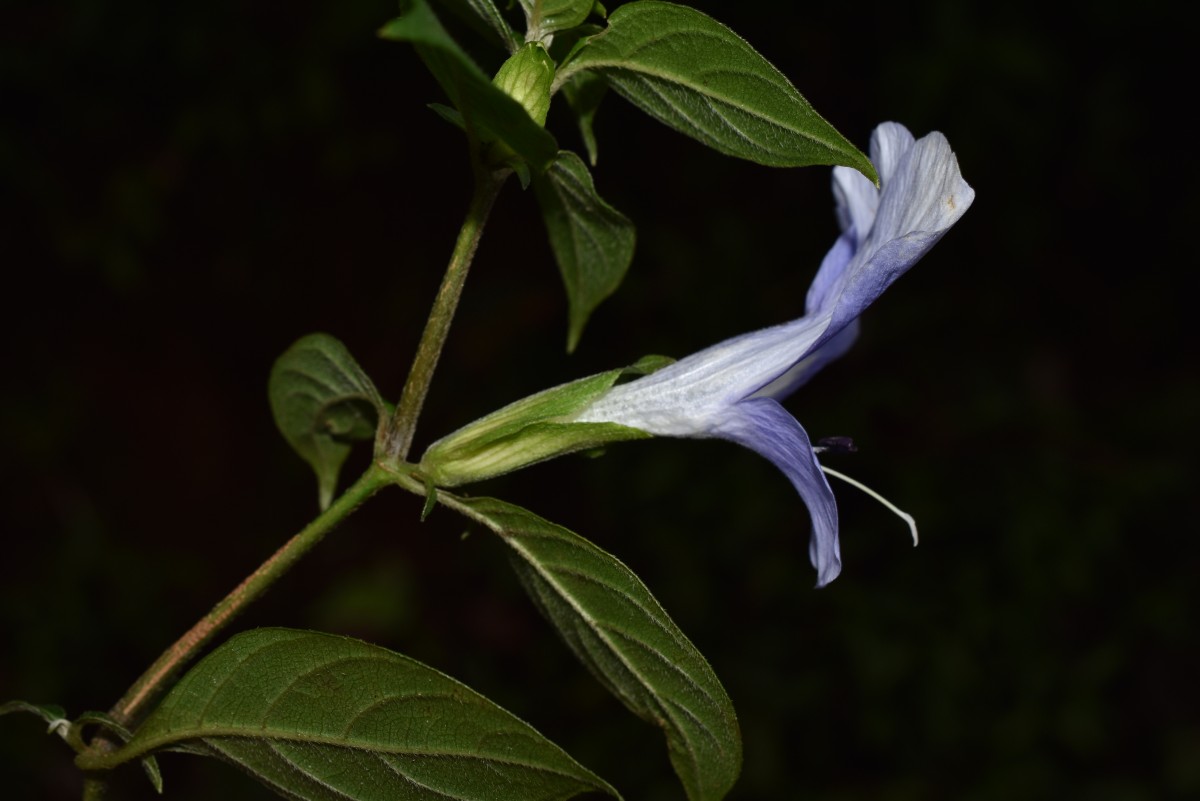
(190, 187)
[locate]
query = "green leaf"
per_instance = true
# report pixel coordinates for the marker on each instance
(692, 73)
(531, 430)
(316, 716)
(544, 17)
(488, 112)
(104, 720)
(592, 242)
(53, 714)
(69, 730)
(448, 114)
(322, 402)
(583, 92)
(485, 11)
(621, 633)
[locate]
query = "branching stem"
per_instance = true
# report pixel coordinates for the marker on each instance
(132, 708)
(399, 438)
(392, 451)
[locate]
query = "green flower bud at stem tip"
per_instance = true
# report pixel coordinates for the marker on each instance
(526, 77)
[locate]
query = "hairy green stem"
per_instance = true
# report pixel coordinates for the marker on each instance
(94, 789)
(398, 440)
(132, 708)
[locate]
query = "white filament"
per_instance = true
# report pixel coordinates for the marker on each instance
(905, 516)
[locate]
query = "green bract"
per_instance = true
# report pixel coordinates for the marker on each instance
(531, 430)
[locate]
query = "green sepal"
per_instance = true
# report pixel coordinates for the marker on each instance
(488, 113)
(692, 73)
(531, 430)
(431, 496)
(317, 716)
(616, 627)
(592, 242)
(322, 402)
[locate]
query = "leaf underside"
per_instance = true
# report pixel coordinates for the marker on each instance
(326, 718)
(618, 630)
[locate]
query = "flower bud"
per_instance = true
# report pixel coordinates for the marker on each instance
(526, 77)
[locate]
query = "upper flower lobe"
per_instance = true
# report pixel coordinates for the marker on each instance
(732, 390)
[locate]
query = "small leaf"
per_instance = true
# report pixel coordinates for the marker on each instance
(621, 633)
(106, 721)
(531, 430)
(322, 401)
(694, 74)
(488, 112)
(544, 17)
(449, 114)
(592, 242)
(315, 716)
(53, 714)
(485, 11)
(583, 92)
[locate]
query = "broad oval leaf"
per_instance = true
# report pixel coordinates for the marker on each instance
(592, 242)
(328, 718)
(696, 75)
(488, 112)
(620, 632)
(322, 402)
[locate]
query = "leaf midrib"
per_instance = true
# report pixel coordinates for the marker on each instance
(602, 633)
(267, 737)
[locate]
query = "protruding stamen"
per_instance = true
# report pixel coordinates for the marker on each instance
(835, 445)
(905, 516)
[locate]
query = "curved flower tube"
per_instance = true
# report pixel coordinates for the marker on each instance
(732, 390)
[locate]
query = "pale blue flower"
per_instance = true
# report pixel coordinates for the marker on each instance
(732, 390)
